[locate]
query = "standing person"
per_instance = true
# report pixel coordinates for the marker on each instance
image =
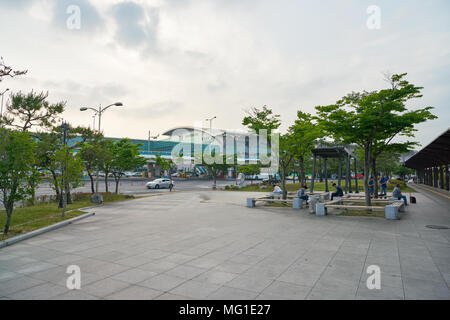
(397, 193)
(171, 186)
(383, 183)
(371, 187)
(338, 193)
(301, 194)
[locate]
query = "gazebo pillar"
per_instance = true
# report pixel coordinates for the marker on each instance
(340, 171)
(349, 175)
(356, 177)
(441, 176)
(313, 173)
(447, 178)
(326, 174)
(347, 172)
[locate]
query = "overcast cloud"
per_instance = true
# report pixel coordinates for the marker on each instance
(174, 62)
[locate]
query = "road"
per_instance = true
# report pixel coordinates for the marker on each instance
(137, 186)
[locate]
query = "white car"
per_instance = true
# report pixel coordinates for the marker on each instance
(159, 184)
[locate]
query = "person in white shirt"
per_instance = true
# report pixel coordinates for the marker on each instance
(277, 191)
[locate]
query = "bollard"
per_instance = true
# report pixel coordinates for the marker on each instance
(297, 203)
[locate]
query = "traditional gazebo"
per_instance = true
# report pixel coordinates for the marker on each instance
(340, 153)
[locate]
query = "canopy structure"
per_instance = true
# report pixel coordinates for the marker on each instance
(340, 153)
(431, 163)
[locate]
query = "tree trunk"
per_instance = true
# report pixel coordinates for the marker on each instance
(375, 176)
(55, 182)
(91, 177)
(9, 210)
(367, 164)
(283, 181)
(117, 183)
(302, 172)
(106, 182)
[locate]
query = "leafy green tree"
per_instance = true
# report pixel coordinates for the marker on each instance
(367, 118)
(214, 168)
(126, 157)
(31, 110)
(305, 133)
(71, 165)
(264, 118)
(250, 170)
(16, 169)
(164, 164)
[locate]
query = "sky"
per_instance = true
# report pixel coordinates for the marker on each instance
(176, 62)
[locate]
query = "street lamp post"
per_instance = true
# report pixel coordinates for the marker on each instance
(2, 94)
(210, 123)
(99, 112)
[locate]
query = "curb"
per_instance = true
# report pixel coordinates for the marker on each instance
(37, 232)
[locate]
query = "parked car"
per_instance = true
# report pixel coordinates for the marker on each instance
(159, 184)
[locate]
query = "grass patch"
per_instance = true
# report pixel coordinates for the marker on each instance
(362, 213)
(31, 218)
(318, 186)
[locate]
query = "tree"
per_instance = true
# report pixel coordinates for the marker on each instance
(30, 110)
(16, 169)
(164, 164)
(106, 159)
(286, 157)
(262, 119)
(403, 171)
(258, 119)
(304, 136)
(215, 164)
(250, 170)
(71, 173)
(8, 71)
(368, 118)
(125, 158)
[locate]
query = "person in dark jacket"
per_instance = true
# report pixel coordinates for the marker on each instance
(338, 193)
(397, 193)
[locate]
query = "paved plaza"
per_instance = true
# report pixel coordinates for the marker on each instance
(208, 245)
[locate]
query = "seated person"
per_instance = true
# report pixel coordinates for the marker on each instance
(397, 193)
(338, 193)
(301, 194)
(277, 191)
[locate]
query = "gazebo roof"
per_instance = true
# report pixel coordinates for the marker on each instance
(332, 152)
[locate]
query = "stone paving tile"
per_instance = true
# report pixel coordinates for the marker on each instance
(285, 290)
(162, 282)
(216, 277)
(105, 287)
(134, 276)
(195, 289)
(39, 292)
(232, 267)
(185, 271)
(385, 293)
(135, 293)
(158, 266)
(252, 283)
(18, 284)
(74, 295)
(169, 296)
(419, 289)
(228, 293)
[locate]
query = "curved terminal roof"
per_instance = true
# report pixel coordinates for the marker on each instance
(437, 153)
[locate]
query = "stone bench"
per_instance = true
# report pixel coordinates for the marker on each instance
(393, 209)
(296, 202)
